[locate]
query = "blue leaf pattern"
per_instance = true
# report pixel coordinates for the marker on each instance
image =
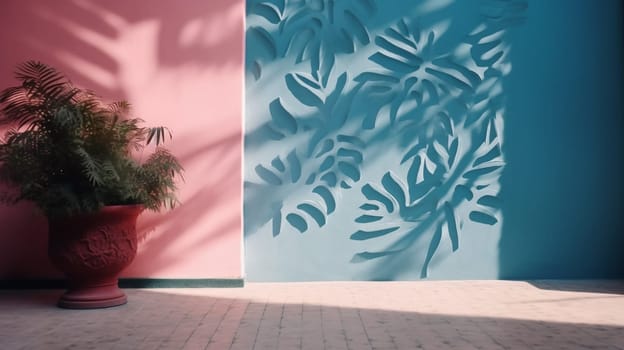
(434, 102)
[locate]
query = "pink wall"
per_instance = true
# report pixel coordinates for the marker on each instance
(180, 64)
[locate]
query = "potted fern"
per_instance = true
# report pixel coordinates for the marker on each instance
(75, 158)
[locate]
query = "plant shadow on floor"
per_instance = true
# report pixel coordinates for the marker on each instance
(588, 286)
(160, 318)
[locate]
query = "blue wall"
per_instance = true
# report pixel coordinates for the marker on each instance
(436, 139)
(564, 144)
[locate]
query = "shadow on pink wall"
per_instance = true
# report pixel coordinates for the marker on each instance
(179, 63)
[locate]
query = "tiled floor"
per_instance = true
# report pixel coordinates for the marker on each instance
(337, 315)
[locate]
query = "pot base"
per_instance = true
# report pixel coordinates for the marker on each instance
(95, 297)
(91, 250)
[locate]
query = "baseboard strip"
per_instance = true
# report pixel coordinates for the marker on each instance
(131, 283)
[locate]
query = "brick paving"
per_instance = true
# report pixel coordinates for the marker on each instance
(330, 315)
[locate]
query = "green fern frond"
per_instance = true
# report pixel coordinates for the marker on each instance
(120, 108)
(159, 134)
(69, 152)
(91, 167)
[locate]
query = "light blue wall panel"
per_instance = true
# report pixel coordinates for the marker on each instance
(377, 138)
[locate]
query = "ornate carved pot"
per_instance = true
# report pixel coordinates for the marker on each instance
(91, 250)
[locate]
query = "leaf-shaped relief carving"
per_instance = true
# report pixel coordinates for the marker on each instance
(311, 31)
(448, 165)
(336, 162)
(271, 10)
(409, 70)
(443, 108)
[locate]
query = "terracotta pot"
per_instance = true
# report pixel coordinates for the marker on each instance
(91, 250)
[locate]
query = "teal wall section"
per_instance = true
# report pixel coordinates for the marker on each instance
(439, 139)
(563, 186)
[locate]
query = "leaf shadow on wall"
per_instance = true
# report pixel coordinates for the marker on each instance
(102, 46)
(80, 37)
(207, 204)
